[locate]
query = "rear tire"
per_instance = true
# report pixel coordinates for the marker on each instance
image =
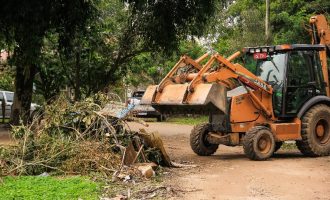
(259, 143)
(198, 141)
(315, 132)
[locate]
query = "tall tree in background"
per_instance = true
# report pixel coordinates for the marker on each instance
(163, 23)
(93, 57)
(24, 24)
(149, 26)
(152, 67)
(244, 19)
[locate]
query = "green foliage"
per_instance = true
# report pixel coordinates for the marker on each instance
(290, 18)
(94, 58)
(43, 188)
(114, 46)
(249, 31)
(7, 80)
(289, 146)
(24, 24)
(152, 67)
(87, 45)
(164, 23)
(242, 23)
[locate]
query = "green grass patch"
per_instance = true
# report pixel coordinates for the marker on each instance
(34, 187)
(193, 120)
(288, 146)
(4, 122)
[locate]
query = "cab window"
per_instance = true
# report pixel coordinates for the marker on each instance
(301, 83)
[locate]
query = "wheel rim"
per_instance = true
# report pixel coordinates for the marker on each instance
(264, 144)
(322, 131)
(204, 139)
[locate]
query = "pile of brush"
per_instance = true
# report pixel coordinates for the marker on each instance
(76, 138)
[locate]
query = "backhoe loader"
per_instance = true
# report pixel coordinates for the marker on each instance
(282, 93)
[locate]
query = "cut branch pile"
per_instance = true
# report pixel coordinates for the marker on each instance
(76, 138)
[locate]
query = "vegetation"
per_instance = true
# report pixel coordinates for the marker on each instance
(44, 188)
(190, 120)
(84, 44)
(99, 45)
(74, 138)
(88, 46)
(245, 19)
(7, 80)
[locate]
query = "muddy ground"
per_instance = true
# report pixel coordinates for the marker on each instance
(230, 175)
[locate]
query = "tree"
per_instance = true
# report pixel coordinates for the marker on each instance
(148, 25)
(291, 21)
(163, 23)
(111, 47)
(94, 58)
(24, 25)
(244, 19)
(150, 68)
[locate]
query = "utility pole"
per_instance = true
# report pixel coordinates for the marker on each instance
(267, 31)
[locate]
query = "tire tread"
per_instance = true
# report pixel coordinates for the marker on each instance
(248, 143)
(196, 141)
(306, 146)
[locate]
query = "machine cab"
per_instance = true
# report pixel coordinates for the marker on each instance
(294, 71)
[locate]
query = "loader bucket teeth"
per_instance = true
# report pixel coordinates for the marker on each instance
(175, 98)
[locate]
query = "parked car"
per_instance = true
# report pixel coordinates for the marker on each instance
(8, 98)
(143, 111)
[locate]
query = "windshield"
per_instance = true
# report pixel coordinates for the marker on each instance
(270, 69)
(9, 96)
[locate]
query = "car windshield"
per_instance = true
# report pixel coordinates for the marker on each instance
(138, 94)
(9, 96)
(270, 69)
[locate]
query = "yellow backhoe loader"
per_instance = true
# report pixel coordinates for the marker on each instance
(282, 93)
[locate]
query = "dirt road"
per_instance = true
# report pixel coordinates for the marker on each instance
(4, 136)
(230, 175)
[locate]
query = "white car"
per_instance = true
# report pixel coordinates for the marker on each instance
(8, 98)
(143, 111)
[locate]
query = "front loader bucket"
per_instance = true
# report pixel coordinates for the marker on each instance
(175, 98)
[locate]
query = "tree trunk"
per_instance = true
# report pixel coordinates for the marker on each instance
(77, 94)
(23, 93)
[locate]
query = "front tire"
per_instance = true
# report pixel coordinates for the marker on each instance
(198, 141)
(315, 132)
(259, 143)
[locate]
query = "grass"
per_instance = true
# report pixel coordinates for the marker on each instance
(193, 120)
(34, 187)
(4, 122)
(288, 146)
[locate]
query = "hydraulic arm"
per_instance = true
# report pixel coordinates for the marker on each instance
(321, 35)
(204, 90)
